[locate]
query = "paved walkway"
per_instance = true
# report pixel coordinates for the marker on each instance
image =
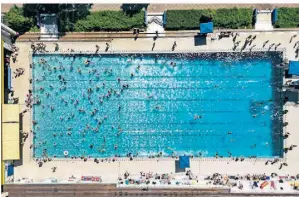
(105, 190)
(110, 170)
(162, 7)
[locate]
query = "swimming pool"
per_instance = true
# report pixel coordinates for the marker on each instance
(189, 103)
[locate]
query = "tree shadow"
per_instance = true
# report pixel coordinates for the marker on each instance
(131, 9)
(205, 19)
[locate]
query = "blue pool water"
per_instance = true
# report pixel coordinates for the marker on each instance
(234, 97)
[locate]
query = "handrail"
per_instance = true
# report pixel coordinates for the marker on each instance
(8, 29)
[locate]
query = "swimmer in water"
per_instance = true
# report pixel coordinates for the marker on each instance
(197, 117)
(151, 96)
(86, 62)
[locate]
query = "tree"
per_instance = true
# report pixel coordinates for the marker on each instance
(33, 10)
(16, 20)
(67, 14)
(132, 9)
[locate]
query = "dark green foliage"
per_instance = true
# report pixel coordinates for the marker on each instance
(15, 20)
(67, 14)
(25, 18)
(287, 18)
(233, 18)
(110, 21)
(76, 17)
(131, 9)
(223, 18)
(32, 10)
(184, 19)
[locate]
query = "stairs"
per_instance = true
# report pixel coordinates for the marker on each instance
(263, 20)
(155, 23)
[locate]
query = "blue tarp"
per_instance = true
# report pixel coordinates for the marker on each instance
(9, 78)
(274, 16)
(10, 170)
(206, 27)
(184, 161)
(294, 68)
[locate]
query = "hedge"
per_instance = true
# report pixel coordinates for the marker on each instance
(287, 18)
(110, 21)
(223, 18)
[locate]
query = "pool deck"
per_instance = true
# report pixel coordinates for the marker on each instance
(109, 170)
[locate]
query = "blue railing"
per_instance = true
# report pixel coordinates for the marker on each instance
(274, 16)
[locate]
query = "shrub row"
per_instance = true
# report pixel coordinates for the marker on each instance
(287, 18)
(110, 21)
(73, 18)
(223, 18)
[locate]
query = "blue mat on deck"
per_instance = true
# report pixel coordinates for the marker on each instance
(184, 161)
(294, 68)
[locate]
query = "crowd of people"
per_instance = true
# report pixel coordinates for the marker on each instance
(247, 182)
(29, 99)
(15, 53)
(296, 46)
(19, 72)
(38, 47)
(102, 98)
(249, 40)
(41, 47)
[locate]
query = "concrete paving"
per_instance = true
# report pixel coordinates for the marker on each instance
(109, 171)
